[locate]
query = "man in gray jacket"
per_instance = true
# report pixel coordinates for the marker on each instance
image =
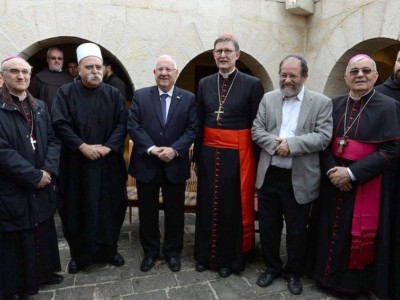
(292, 125)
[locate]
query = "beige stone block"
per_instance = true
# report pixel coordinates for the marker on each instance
(134, 51)
(246, 9)
(322, 66)
(154, 26)
(352, 28)
(207, 29)
(337, 43)
(333, 8)
(274, 12)
(390, 26)
(220, 8)
(17, 35)
(373, 12)
(175, 5)
(189, 43)
(226, 25)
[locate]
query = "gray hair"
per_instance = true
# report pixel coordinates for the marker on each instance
(227, 38)
(168, 57)
(303, 62)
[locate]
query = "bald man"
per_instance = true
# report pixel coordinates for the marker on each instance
(30, 154)
(357, 182)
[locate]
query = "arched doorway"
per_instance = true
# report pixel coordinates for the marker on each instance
(36, 56)
(382, 50)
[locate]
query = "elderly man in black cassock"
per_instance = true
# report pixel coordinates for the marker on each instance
(29, 151)
(46, 83)
(356, 190)
(227, 104)
(90, 119)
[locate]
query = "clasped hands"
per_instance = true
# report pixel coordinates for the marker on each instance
(165, 154)
(94, 152)
(340, 178)
(283, 147)
(45, 180)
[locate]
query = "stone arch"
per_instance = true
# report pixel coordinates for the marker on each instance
(382, 50)
(359, 29)
(36, 56)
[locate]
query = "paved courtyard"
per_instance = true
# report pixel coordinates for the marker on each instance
(104, 281)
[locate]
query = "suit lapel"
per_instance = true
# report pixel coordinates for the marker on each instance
(304, 111)
(278, 112)
(155, 100)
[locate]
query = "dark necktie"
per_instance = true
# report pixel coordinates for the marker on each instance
(164, 107)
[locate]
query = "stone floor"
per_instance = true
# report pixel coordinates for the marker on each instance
(128, 282)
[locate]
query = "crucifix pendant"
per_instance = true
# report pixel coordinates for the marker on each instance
(342, 142)
(33, 142)
(219, 111)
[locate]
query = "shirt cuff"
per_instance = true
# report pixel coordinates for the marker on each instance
(149, 150)
(353, 178)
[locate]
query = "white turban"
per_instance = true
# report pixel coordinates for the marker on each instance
(88, 49)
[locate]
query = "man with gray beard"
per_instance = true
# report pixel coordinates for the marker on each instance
(292, 125)
(90, 119)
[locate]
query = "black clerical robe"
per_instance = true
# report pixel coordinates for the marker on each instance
(377, 129)
(28, 241)
(224, 227)
(116, 82)
(93, 191)
(45, 84)
(391, 88)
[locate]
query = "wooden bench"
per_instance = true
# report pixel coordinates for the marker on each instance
(190, 193)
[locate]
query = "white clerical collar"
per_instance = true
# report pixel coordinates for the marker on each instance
(226, 75)
(170, 92)
(20, 98)
(358, 98)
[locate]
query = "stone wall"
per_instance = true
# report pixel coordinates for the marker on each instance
(137, 32)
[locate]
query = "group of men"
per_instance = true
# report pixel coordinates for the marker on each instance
(294, 147)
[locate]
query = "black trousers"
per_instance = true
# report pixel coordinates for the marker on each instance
(277, 201)
(173, 201)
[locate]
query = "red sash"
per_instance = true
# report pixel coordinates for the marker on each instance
(241, 140)
(366, 206)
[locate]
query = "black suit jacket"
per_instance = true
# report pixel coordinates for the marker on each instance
(146, 129)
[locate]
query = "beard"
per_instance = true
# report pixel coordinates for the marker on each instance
(290, 91)
(397, 76)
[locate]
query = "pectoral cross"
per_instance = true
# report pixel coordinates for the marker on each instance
(342, 142)
(219, 111)
(33, 142)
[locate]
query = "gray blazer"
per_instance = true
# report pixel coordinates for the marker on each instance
(313, 134)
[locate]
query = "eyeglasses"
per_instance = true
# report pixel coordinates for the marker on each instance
(226, 51)
(24, 72)
(290, 76)
(160, 70)
(365, 71)
(56, 58)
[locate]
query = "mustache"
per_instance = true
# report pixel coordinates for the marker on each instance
(95, 76)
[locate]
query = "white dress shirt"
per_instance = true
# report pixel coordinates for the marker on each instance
(290, 115)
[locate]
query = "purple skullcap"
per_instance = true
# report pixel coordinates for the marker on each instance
(358, 57)
(11, 57)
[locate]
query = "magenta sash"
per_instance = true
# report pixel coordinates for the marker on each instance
(366, 206)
